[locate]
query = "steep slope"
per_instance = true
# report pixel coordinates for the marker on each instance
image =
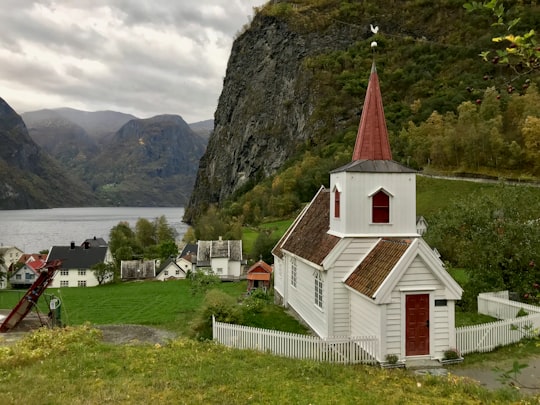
(149, 162)
(30, 178)
(295, 81)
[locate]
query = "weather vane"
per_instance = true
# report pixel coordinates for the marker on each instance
(374, 30)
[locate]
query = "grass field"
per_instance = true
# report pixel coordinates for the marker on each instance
(168, 305)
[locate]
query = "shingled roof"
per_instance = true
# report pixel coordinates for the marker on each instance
(372, 141)
(308, 238)
(377, 265)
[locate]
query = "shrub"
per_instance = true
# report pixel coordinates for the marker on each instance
(451, 354)
(222, 306)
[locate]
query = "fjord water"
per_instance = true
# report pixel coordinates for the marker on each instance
(36, 230)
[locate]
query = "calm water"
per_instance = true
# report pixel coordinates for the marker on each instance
(35, 230)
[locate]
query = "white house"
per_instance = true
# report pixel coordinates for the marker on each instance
(223, 257)
(10, 256)
(77, 262)
(353, 264)
(170, 270)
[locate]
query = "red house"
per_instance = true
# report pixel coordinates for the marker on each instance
(259, 276)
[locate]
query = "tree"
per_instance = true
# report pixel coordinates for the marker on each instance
(492, 239)
(167, 249)
(163, 231)
(145, 233)
(121, 236)
(519, 52)
(104, 271)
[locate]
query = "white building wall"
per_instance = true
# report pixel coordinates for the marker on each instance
(356, 212)
(220, 266)
(340, 312)
(73, 279)
(279, 280)
(302, 298)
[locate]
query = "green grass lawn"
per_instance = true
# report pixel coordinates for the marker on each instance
(72, 366)
(168, 305)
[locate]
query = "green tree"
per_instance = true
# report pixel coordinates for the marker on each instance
(262, 248)
(163, 231)
(121, 235)
(104, 272)
(488, 235)
(145, 233)
(167, 249)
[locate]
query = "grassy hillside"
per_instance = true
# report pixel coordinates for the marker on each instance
(73, 367)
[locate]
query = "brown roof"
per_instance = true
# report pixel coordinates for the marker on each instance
(309, 238)
(377, 265)
(260, 267)
(372, 139)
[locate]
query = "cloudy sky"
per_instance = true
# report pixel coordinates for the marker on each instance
(143, 57)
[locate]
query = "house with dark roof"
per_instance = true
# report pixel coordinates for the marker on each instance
(353, 264)
(77, 263)
(222, 257)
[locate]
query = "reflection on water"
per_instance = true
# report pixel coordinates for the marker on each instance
(35, 230)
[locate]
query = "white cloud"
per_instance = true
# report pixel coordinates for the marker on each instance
(144, 57)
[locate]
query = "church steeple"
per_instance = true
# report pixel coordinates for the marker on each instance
(372, 139)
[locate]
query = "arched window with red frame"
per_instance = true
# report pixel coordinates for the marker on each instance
(380, 208)
(337, 203)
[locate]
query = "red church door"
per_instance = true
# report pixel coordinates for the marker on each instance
(417, 325)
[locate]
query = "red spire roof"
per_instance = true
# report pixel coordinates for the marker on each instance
(372, 139)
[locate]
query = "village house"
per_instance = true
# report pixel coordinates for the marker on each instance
(222, 257)
(77, 263)
(353, 263)
(170, 270)
(10, 255)
(25, 276)
(259, 276)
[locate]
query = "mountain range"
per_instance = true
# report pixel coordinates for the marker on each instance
(67, 157)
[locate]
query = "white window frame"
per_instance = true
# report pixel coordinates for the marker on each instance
(318, 290)
(82, 272)
(81, 283)
(64, 283)
(64, 272)
(294, 271)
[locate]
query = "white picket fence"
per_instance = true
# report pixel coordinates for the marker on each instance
(353, 350)
(344, 350)
(510, 329)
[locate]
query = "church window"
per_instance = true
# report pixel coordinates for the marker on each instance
(293, 272)
(381, 208)
(337, 202)
(318, 290)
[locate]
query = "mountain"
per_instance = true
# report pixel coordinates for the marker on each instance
(30, 178)
(125, 160)
(63, 139)
(148, 162)
(203, 128)
(296, 78)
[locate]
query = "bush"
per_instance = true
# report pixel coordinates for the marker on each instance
(222, 306)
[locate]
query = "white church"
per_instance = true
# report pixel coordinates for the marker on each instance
(353, 264)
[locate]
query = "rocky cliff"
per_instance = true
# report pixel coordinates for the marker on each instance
(29, 177)
(264, 110)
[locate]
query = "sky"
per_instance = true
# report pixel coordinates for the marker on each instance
(142, 57)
